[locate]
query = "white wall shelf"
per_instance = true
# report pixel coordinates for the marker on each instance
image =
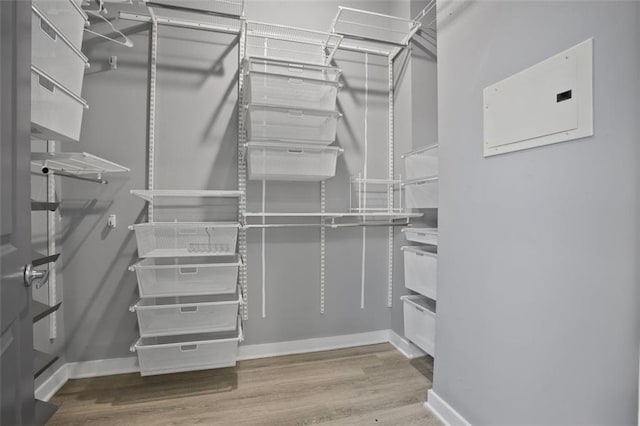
(377, 27)
(299, 45)
(150, 195)
(78, 163)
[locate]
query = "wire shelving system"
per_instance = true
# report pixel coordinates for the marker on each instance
(353, 30)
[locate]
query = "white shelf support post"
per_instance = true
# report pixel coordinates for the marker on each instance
(153, 68)
(242, 174)
(323, 246)
(390, 193)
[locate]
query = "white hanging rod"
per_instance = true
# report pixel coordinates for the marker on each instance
(182, 23)
(325, 225)
(337, 215)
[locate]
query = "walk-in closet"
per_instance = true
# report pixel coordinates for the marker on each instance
(340, 212)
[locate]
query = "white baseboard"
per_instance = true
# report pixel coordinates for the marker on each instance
(404, 346)
(107, 367)
(81, 370)
(267, 350)
(49, 387)
(102, 367)
(446, 413)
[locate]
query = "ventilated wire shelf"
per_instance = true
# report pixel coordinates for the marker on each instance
(150, 195)
(281, 42)
(230, 8)
(377, 27)
(75, 163)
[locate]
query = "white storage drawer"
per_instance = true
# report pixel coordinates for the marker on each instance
(177, 239)
(187, 276)
(421, 193)
(292, 69)
(291, 163)
(421, 235)
(420, 322)
(56, 113)
(420, 270)
(66, 16)
(421, 163)
(173, 354)
(281, 86)
(54, 54)
(268, 123)
(186, 315)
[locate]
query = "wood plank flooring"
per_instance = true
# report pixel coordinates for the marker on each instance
(357, 386)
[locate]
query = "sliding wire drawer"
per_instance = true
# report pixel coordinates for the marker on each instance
(283, 90)
(421, 235)
(173, 354)
(67, 16)
(187, 276)
(421, 163)
(420, 270)
(186, 315)
(421, 193)
(291, 163)
(56, 55)
(272, 123)
(178, 239)
(56, 113)
(420, 322)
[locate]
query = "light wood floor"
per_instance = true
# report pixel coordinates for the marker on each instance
(357, 386)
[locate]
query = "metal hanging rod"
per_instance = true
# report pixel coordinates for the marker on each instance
(325, 225)
(48, 171)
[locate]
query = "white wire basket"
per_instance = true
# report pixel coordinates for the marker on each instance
(421, 163)
(421, 193)
(286, 162)
(292, 69)
(362, 24)
(271, 123)
(186, 315)
(375, 195)
(280, 84)
(273, 41)
(179, 239)
(173, 354)
(187, 276)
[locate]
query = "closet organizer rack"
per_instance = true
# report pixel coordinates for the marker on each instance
(285, 74)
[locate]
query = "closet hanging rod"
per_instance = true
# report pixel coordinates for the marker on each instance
(48, 171)
(324, 225)
(182, 23)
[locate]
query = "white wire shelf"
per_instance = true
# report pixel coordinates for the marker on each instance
(331, 220)
(150, 195)
(371, 26)
(292, 44)
(225, 8)
(75, 164)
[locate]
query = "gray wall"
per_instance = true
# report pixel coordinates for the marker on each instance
(196, 148)
(538, 277)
